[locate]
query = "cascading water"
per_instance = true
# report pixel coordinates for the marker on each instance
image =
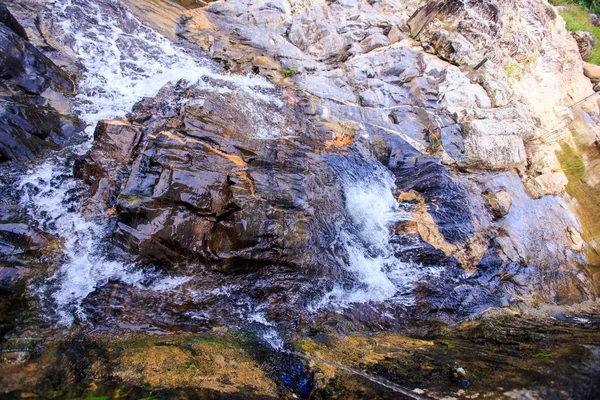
(124, 61)
(373, 211)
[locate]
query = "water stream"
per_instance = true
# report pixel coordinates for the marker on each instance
(125, 60)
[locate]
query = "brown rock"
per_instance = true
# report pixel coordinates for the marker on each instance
(592, 71)
(419, 20)
(585, 42)
(500, 202)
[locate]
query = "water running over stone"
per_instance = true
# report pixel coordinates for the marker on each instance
(123, 62)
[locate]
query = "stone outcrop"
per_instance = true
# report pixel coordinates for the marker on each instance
(499, 201)
(28, 123)
(423, 108)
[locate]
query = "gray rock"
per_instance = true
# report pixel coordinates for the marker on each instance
(374, 41)
(493, 144)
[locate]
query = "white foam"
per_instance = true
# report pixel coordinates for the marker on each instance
(273, 339)
(372, 210)
(46, 192)
(124, 65)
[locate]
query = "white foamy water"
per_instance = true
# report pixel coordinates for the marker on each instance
(379, 275)
(123, 61)
(45, 194)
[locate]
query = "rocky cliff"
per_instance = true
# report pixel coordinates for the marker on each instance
(310, 170)
(473, 150)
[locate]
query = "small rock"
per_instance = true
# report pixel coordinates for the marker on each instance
(576, 238)
(18, 350)
(374, 41)
(594, 19)
(8, 276)
(459, 376)
(592, 71)
(499, 202)
(585, 42)
(396, 35)
(403, 227)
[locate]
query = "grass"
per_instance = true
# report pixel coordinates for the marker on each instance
(544, 355)
(289, 72)
(576, 17)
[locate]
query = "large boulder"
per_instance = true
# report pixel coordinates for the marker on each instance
(196, 184)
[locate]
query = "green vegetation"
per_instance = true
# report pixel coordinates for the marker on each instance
(544, 355)
(577, 19)
(589, 5)
(289, 72)
(513, 70)
(588, 197)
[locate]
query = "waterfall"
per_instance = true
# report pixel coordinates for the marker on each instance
(123, 61)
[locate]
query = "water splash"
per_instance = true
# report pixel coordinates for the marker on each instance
(123, 61)
(49, 194)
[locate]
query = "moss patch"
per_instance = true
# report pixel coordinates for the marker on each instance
(587, 197)
(289, 72)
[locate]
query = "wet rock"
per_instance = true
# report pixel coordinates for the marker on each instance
(26, 128)
(499, 202)
(28, 124)
(17, 239)
(192, 186)
(585, 42)
(8, 276)
(116, 141)
(445, 199)
(7, 19)
(27, 68)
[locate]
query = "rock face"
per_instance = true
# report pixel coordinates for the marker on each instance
(195, 183)
(254, 193)
(28, 123)
(282, 193)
